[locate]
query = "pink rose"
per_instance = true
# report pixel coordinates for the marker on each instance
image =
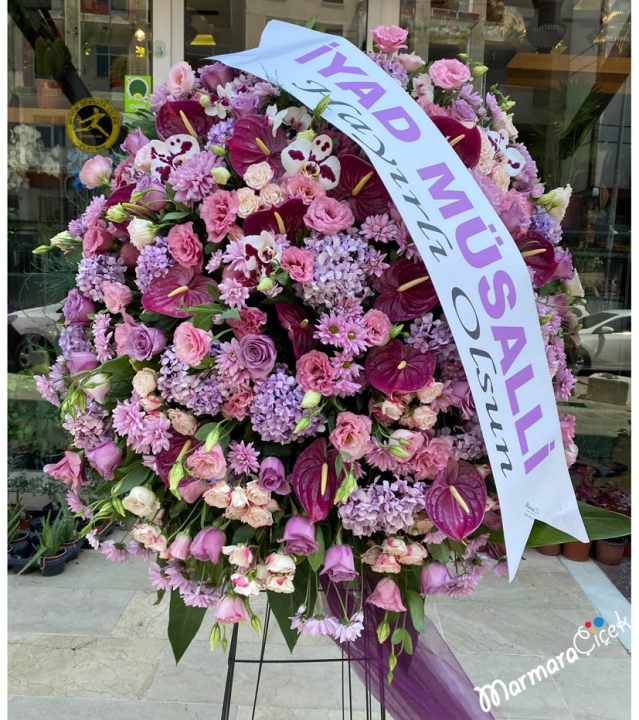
(330, 216)
(390, 38)
(299, 536)
(179, 548)
(219, 212)
(449, 74)
(191, 344)
(567, 424)
(207, 464)
(387, 596)
(314, 372)
(302, 187)
(435, 578)
(352, 435)
(121, 334)
(238, 404)
(80, 361)
(386, 564)
(105, 458)
(218, 495)
(180, 80)
(96, 239)
(116, 296)
(432, 457)
(96, 171)
(250, 322)
(378, 325)
(230, 609)
(256, 495)
(257, 354)
(339, 564)
(410, 63)
(185, 246)
(68, 470)
(298, 263)
(207, 545)
(192, 490)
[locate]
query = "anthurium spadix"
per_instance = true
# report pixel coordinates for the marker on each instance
(456, 500)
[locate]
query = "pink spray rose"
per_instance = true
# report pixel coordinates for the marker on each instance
(219, 212)
(179, 548)
(387, 596)
(330, 216)
(410, 63)
(116, 296)
(250, 322)
(314, 372)
(378, 326)
(218, 495)
(352, 435)
(339, 564)
(180, 80)
(237, 405)
(298, 263)
(96, 171)
(390, 38)
(207, 545)
(432, 457)
(192, 490)
(299, 536)
(185, 246)
(191, 344)
(207, 464)
(449, 74)
(435, 578)
(68, 470)
(257, 354)
(302, 187)
(231, 609)
(105, 458)
(96, 239)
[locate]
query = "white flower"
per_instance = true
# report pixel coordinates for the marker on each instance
(141, 502)
(141, 232)
(556, 202)
(238, 555)
(249, 202)
(258, 175)
(423, 85)
(298, 118)
(144, 382)
(511, 160)
(243, 586)
(280, 563)
(280, 584)
(313, 159)
(573, 286)
(182, 422)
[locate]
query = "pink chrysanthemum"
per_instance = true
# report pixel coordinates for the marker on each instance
(380, 228)
(138, 550)
(214, 261)
(463, 585)
(116, 552)
(45, 387)
(177, 580)
(242, 458)
(319, 625)
(201, 597)
(349, 630)
(128, 418)
(91, 538)
(354, 337)
(228, 363)
(158, 577)
(156, 433)
(330, 329)
(234, 294)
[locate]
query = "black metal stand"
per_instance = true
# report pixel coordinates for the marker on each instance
(347, 681)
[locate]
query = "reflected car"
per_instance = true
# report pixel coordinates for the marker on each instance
(33, 336)
(605, 341)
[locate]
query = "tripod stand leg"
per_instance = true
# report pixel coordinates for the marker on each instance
(262, 651)
(228, 689)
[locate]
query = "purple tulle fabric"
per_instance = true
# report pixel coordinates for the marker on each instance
(427, 685)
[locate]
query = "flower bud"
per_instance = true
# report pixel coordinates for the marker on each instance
(41, 250)
(478, 71)
(321, 106)
(305, 135)
(117, 213)
(398, 451)
(221, 175)
(256, 624)
(311, 399)
(265, 285)
(302, 425)
(205, 100)
(212, 439)
(383, 631)
(214, 637)
(218, 150)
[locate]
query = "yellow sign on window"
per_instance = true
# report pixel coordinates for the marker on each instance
(93, 125)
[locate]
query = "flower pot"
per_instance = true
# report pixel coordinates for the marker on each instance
(73, 549)
(21, 544)
(54, 565)
(626, 550)
(609, 553)
(550, 549)
(17, 563)
(577, 551)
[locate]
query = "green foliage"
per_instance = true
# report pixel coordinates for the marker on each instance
(285, 605)
(15, 513)
(416, 609)
(52, 535)
(184, 622)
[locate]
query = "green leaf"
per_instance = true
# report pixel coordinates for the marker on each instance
(440, 552)
(184, 622)
(231, 314)
(160, 597)
(242, 534)
(316, 559)
(284, 606)
(137, 476)
(600, 524)
(119, 367)
(408, 643)
(175, 216)
(397, 636)
(416, 609)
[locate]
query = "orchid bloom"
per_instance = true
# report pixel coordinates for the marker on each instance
(275, 118)
(510, 158)
(166, 155)
(222, 106)
(312, 159)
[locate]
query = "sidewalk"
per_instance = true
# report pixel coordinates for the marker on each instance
(90, 644)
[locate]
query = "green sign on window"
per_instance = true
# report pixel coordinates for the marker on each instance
(137, 92)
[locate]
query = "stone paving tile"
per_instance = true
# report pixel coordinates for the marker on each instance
(80, 666)
(70, 611)
(24, 707)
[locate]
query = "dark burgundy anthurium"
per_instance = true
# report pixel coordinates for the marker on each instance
(293, 318)
(182, 117)
(465, 141)
(539, 254)
(285, 219)
(405, 290)
(360, 184)
(165, 459)
(456, 500)
(121, 195)
(315, 481)
(180, 288)
(396, 367)
(253, 142)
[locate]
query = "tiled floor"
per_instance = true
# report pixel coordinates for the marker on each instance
(90, 644)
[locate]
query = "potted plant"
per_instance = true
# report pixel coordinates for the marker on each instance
(70, 538)
(17, 538)
(577, 551)
(610, 551)
(553, 549)
(50, 555)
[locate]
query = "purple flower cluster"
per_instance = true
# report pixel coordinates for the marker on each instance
(391, 66)
(276, 410)
(382, 507)
(102, 337)
(220, 133)
(74, 338)
(155, 261)
(429, 335)
(192, 179)
(89, 427)
(93, 272)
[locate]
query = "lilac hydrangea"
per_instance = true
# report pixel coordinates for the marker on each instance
(74, 338)
(382, 507)
(89, 427)
(428, 334)
(276, 410)
(94, 272)
(220, 133)
(154, 261)
(391, 66)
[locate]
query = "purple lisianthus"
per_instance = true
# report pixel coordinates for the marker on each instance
(105, 458)
(273, 476)
(339, 564)
(134, 141)
(257, 354)
(77, 308)
(299, 536)
(143, 342)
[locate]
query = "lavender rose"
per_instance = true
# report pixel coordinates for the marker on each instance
(299, 536)
(143, 343)
(257, 354)
(77, 308)
(247, 104)
(273, 476)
